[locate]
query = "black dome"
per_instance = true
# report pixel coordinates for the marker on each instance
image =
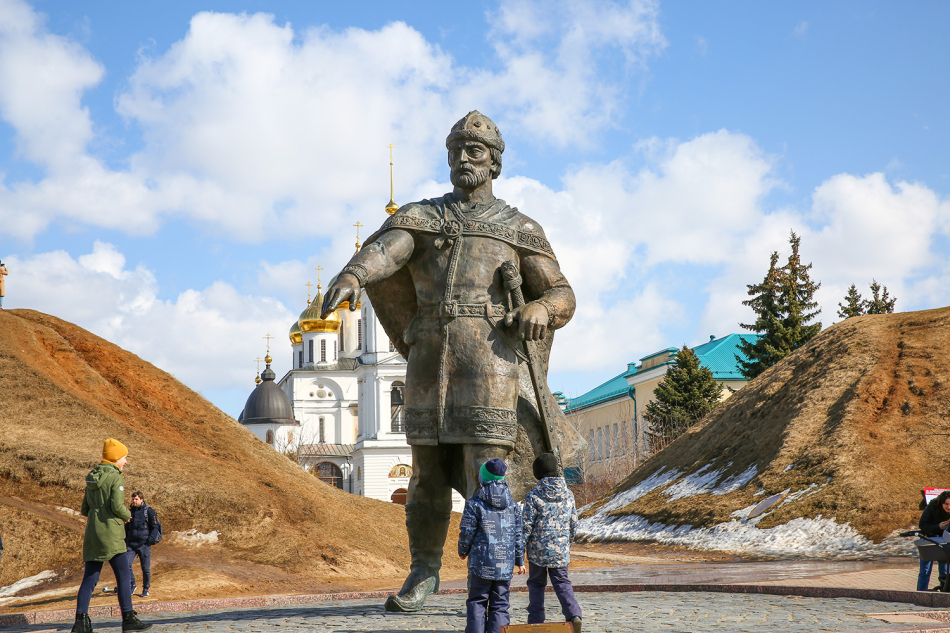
(267, 404)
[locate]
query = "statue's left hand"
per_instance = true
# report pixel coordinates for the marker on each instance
(532, 321)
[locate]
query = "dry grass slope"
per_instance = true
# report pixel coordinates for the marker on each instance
(861, 412)
(64, 390)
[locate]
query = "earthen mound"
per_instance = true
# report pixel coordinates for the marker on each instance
(849, 428)
(238, 517)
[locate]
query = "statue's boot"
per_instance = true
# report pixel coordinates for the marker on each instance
(427, 530)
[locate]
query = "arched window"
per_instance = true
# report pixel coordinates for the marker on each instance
(300, 358)
(329, 473)
(323, 351)
(343, 335)
(322, 429)
(335, 355)
(600, 443)
(359, 334)
(399, 496)
(310, 346)
(269, 437)
(397, 405)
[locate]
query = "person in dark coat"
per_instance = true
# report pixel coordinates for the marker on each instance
(140, 534)
(933, 522)
(103, 505)
(550, 521)
(490, 537)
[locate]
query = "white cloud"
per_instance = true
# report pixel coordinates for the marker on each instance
(251, 127)
(801, 29)
(206, 338)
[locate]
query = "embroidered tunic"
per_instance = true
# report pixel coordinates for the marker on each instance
(462, 376)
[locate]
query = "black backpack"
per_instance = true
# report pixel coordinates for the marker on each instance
(158, 525)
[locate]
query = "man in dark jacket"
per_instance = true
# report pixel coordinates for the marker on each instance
(490, 536)
(140, 534)
(934, 520)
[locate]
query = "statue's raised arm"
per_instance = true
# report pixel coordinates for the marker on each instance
(378, 261)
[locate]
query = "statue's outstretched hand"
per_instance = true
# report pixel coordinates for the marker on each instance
(532, 321)
(345, 288)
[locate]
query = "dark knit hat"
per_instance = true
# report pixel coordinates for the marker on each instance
(545, 465)
(493, 470)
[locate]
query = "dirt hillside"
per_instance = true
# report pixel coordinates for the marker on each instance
(857, 421)
(64, 390)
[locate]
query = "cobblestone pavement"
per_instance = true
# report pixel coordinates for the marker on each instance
(603, 612)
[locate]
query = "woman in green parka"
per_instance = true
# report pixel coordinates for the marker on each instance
(105, 512)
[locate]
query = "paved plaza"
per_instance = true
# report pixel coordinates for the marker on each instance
(604, 612)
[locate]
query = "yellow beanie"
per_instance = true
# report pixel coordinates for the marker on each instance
(113, 450)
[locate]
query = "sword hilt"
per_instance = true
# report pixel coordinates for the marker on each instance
(509, 272)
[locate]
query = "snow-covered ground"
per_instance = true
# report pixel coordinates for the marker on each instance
(194, 537)
(7, 593)
(799, 538)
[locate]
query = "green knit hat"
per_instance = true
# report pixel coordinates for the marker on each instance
(492, 470)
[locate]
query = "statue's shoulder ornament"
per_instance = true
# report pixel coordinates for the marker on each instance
(507, 225)
(511, 226)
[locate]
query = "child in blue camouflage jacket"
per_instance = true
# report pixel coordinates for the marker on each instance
(490, 537)
(550, 520)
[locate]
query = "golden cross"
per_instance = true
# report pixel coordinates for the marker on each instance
(268, 337)
(309, 286)
(258, 361)
(318, 269)
(390, 146)
(358, 225)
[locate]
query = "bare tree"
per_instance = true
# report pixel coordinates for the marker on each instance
(622, 453)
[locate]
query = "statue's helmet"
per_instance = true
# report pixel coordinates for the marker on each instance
(476, 126)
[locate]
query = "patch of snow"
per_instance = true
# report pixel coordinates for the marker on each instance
(736, 481)
(788, 468)
(69, 511)
(194, 537)
(26, 583)
(694, 484)
(799, 538)
(657, 479)
(804, 492)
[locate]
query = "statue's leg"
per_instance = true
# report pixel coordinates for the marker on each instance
(474, 455)
(428, 510)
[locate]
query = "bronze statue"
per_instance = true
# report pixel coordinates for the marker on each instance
(433, 272)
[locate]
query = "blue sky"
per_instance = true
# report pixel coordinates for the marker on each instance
(172, 174)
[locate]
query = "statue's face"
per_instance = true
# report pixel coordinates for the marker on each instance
(471, 164)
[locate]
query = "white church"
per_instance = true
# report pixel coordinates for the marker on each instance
(339, 411)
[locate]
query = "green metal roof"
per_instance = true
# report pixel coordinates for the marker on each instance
(718, 355)
(613, 389)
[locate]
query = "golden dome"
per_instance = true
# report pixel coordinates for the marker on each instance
(296, 336)
(310, 320)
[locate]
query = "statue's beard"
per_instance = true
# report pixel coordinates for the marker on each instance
(470, 177)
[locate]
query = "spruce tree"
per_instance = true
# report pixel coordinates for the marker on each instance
(798, 299)
(766, 349)
(880, 302)
(784, 303)
(853, 305)
(683, 397)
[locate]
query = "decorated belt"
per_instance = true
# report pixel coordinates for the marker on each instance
(454, 309)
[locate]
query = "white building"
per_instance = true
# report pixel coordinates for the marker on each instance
(346, 394)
